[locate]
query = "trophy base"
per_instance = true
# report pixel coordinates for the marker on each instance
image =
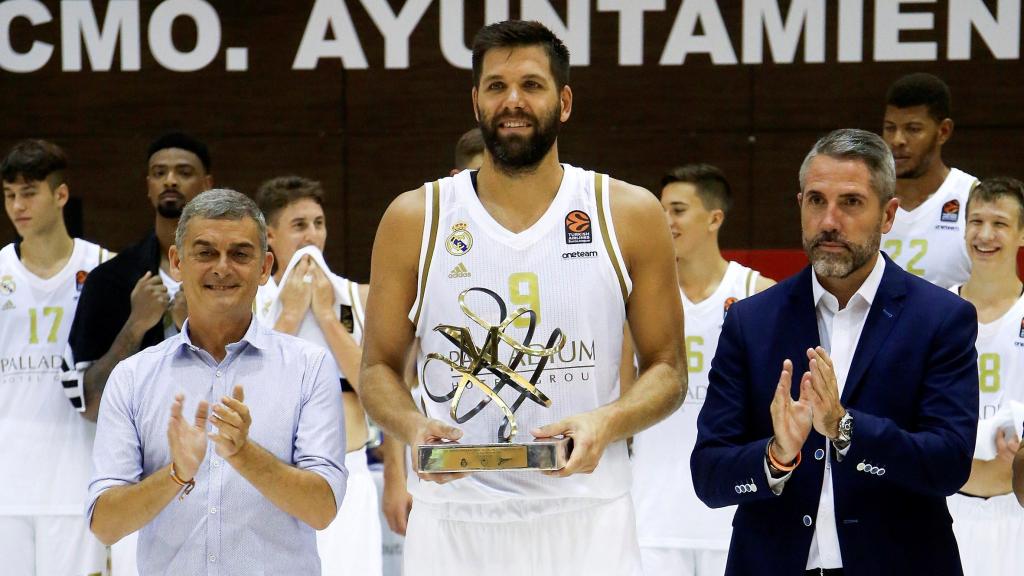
(454, 457)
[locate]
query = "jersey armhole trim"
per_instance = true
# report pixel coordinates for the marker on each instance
(433, 213)
(610, 245)
(357, 305)
(752, 277)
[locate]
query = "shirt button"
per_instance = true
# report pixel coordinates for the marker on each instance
(216, 463)
(819, 454)
(807, 520)
(213, 510)
(212, 558)
(218, 373)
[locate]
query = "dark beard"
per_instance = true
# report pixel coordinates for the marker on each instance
(170, 210)
(518, 155)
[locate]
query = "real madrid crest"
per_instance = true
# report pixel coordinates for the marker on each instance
(7, 286)
(460, 240)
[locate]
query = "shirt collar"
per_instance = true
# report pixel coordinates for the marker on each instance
(867, 291)
(256, 335)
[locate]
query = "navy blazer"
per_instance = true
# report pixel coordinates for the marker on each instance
(913, 393)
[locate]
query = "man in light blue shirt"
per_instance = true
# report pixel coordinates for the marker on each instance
(240, 487)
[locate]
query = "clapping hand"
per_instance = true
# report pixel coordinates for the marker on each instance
(187, 441)
(791, 419)
(232, 419)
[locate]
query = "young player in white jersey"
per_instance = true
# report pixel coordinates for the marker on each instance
(927, 237)
(303, 297)
(47, 445)
(581, 253)
(679, 535)
(987, 521)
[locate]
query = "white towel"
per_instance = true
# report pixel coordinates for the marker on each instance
(345, 291)
(1009, 418)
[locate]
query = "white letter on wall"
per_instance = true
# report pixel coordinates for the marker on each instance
(763, 16)
(715, 40)
(631, 26)
(329, 15)
(396, 28)
(78, 25)
(888, 23)
(453, 29)
(851, 30)
(39, 54)
(575, 32)
(1002, 34)
(161, 43)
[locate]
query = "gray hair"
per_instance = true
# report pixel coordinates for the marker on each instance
(221, 204)
(854, 144)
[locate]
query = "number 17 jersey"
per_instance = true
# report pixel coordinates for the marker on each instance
(566, 269)
(47, 445)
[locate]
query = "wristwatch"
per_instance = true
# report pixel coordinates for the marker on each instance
(842, 441)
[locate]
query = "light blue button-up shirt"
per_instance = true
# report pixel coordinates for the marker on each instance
(225, 526)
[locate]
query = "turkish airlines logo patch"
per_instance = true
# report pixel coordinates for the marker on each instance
(950, 211)
(577, 228)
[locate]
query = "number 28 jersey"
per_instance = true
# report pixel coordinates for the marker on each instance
(47, 445)
(566, 269)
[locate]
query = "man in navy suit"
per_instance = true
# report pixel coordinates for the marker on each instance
(849, 472)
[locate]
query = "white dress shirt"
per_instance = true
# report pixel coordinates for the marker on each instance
(839, 332)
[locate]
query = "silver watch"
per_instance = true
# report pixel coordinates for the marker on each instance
(845, 432)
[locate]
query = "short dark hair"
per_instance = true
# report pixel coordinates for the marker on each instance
(992, 189)
(516, 33)
(712, 187)
(470, 145)
(276, 194)
(35, 160)
(181, 141)
(921, 89)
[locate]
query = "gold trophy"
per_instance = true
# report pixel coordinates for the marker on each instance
(504, 453)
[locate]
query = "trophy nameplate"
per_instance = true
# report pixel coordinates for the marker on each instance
(505, 453)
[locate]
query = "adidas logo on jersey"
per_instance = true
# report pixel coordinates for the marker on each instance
(459, 271)
(9, 305)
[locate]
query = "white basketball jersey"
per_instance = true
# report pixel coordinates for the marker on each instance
(929, 240)
(668, 513)
(1000, 348)
(568, 272)
(47, 446)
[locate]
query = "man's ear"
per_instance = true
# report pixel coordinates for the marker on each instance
(268, 267)
(62, 193)
(175, 260)
(945, 130)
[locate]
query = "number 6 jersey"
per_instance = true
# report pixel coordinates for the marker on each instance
(567, 271)
(47, 452)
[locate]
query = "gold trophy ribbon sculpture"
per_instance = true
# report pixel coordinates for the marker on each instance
(505, 454)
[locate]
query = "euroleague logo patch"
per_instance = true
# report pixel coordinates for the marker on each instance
(950, 211)
(1022, 327)
(728, 304)
(577, 228)
(80, 279)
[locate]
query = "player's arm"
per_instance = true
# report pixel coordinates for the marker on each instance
(396, 502)
(1018, 475)
(655, 316)
(148, 301)
(994, 477)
